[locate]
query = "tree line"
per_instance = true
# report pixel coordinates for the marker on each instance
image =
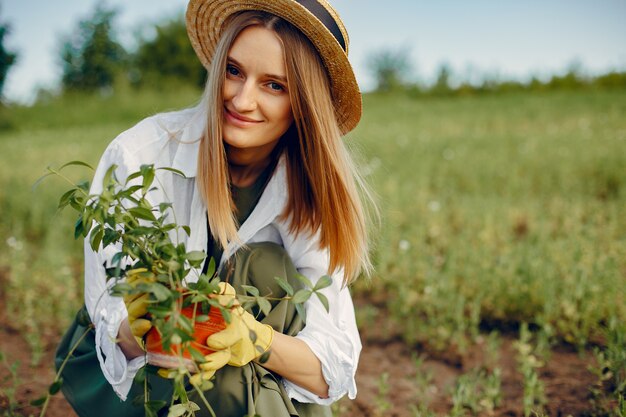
(93, 60)
(392, 72)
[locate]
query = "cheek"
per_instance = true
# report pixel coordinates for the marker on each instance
(284, 113)
(228, 89)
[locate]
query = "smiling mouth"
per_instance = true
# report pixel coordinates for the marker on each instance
(239, 119)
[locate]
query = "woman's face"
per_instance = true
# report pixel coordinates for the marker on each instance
(257, 108)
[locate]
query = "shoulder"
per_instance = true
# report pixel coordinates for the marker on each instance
(146, 139)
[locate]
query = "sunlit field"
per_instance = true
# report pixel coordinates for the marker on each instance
(501, 216)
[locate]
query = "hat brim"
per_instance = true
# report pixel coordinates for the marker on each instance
(205, 21)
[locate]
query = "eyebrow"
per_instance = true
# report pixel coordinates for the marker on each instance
(278, 77)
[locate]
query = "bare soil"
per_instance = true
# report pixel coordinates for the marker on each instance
(565, 375)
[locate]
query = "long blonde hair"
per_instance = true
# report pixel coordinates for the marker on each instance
(323, 182)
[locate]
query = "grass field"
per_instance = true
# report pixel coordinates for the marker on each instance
(502, 213)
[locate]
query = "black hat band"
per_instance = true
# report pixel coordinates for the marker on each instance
(326, 18)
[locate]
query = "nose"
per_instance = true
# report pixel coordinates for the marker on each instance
(245, 99)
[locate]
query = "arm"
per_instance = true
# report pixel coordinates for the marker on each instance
(293, 359)
(108, 313)
(332, 336)
(126, 341)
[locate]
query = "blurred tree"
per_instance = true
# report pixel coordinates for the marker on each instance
(391, 68)
(166, 57)
(7, 57)
(572, 80)
(91, 56)
(442, 85)
(612, 79)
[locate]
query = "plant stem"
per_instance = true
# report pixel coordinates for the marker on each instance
(58, 374)
(204, 400)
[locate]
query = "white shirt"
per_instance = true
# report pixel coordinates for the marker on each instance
(172, 140)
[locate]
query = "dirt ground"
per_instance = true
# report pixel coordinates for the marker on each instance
(566, 378)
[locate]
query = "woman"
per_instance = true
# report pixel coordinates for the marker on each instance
(269, 191)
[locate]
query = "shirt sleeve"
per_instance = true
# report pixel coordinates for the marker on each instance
(332, 336)
(108, 312)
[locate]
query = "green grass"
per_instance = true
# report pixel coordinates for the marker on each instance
(500, 209)
(497, 210)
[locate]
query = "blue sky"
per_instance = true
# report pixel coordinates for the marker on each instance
(511, 39)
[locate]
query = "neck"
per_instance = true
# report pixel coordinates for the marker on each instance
(245, 165)
(244, 173)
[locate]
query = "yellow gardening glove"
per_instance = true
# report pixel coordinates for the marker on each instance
(137, 305)
(234, 345)
(238, 334)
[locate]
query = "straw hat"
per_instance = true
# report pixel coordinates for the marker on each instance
(315, 18)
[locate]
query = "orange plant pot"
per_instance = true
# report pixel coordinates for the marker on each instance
(160, 357)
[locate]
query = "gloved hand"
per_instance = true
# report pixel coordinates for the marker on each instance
(234, 345)
(137, 305)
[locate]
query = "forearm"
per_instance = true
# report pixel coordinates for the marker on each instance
(293, 359)
(126, 341)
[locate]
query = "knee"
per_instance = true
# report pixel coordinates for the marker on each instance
(267, 256)
(263, 261)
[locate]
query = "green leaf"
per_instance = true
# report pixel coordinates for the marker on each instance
(79, 227)
(132, 177)
(301, 296)
(187, 230)
(202, 318)
(38, 402)
(152, 407)
(323, 282)
(177, 410)
(195, 257)
(301, 311)
(247, 305)
(148, 176)
(164, 206)
(196, 355)
(127, 193)
(211, 268)
(285, 285)
(55, 386)
(307, 282)
(254, 291)
(139, 400)
(174, 170)
(264, 305)
(83, 185)
(121, 289)
(80, 163)
(76, 202)
(108, 176)
(36, 183)
(65, 198)
(96, 238)
(110, 236)
(264, 357)
(140, 377)
(142, 213)
(185, 324)
(226, 314)
(117, 258)
(160, 292)
(323, 300)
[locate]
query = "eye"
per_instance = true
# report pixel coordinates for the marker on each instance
(232, 70)
(276, 87)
